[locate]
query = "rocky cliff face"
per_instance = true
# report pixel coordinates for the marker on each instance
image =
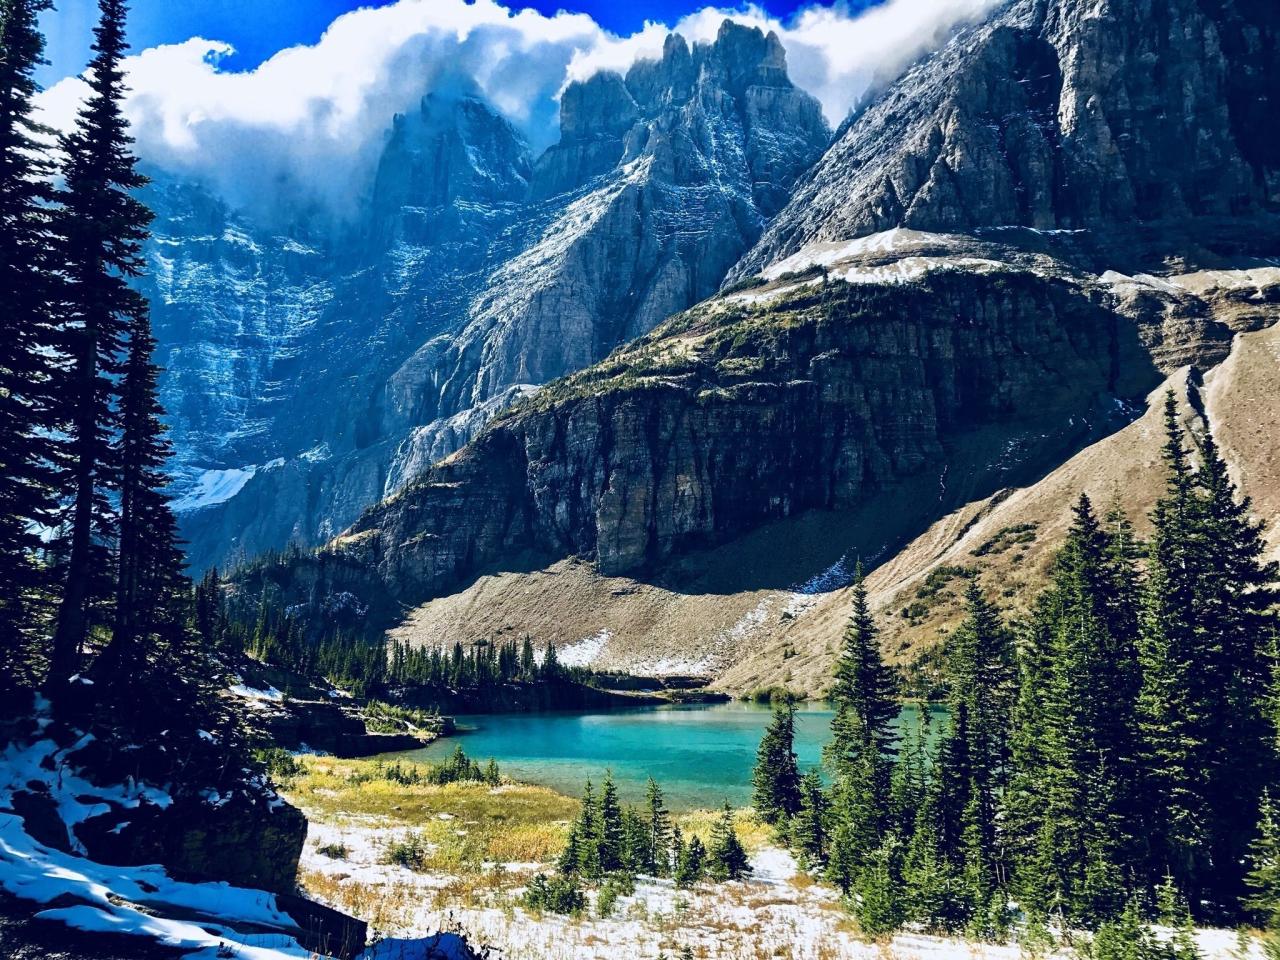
(314, 369)
(278, 343)
(1058, 114)
(660, 181)
(741, 413)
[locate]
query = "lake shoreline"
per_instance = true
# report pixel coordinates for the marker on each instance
(702, 754)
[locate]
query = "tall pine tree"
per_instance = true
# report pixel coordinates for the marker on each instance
(28, 366)
(980, 672)
(658, 824)
(1206, 626)
(151, 590)
(863, 743)
(103, 227)
(1074, 794)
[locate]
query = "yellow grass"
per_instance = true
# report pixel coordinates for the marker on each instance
(754, 834)
(463, 824)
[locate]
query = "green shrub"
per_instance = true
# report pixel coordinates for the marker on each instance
(555, 894)
(411, 852)
(1006, 537)
(619, 885)
(280, 765)
(774, 694)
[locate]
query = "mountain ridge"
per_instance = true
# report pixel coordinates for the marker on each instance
(844, 367)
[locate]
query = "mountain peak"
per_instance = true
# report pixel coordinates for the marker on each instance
(1056, 114)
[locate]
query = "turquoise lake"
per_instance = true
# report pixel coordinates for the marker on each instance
(702, 755)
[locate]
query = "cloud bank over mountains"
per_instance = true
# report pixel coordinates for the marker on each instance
(307, 126)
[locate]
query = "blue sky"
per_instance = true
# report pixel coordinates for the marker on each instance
(259, 28)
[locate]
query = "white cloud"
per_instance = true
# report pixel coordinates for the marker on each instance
(309, 122)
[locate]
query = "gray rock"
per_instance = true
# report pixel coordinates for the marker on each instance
(1057, 114)
(313, 367)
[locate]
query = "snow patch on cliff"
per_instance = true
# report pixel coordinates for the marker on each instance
(213, 487)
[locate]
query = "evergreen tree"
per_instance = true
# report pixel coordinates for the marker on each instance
(929, 882)
(951, 787)
(1175, 915)
(1206, 625)
(691, 864)
(727, 858)
(972, 774)
(609, 843)
(550, 664)
(28, 369)
(864, 697)
(858, 819)
(1023, 804)
(585, 835)
(1239, 603)
(877, 894)
(909, 781)
(1127, 938)
(862, 746)
(776, 778)
(980, 673)
(103, 227)
(846, 850)
(149, 561)
(1072, 815)
(977, 886)
(809, 827)
(1263, 878)
(636, 851)
(1174, 712)
(659, 859)
(571, 856)
(528, 661)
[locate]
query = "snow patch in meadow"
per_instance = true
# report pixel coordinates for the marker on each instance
(767, 914)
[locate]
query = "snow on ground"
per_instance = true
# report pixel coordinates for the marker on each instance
(586, 651)
(898, 265)
(805, 596)
(98, 898)
(213, 920)
(913, 268)
(757, 297)
(253, 693)
(213, 487)
(826, 253)
(777, 912)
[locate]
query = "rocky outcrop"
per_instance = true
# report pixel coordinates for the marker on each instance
(328, 727)
(1058, 115)
(235, 838)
